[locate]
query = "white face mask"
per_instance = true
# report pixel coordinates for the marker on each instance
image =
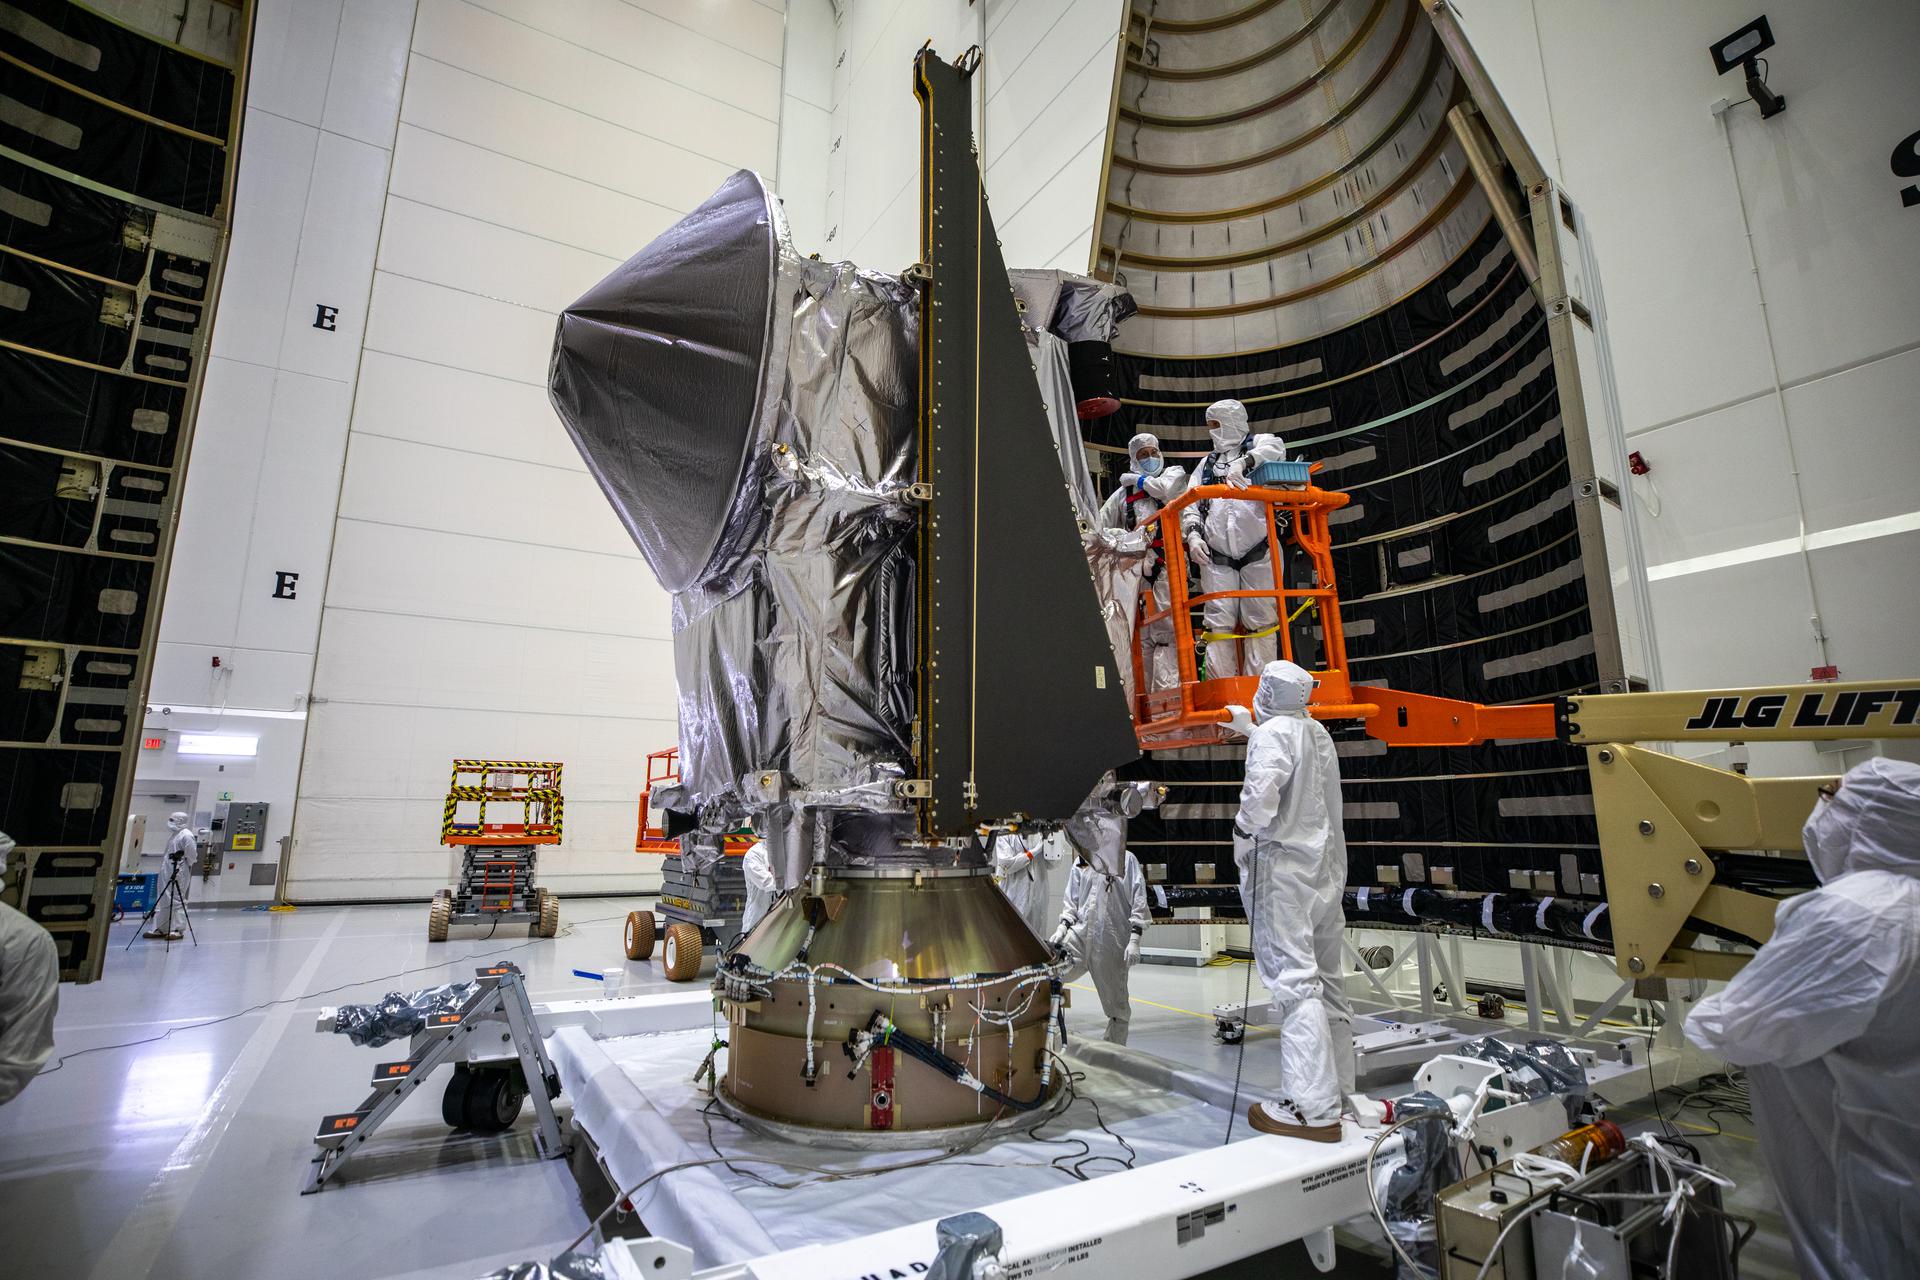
(1224, 436)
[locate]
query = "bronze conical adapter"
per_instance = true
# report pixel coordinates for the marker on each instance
(945, 962)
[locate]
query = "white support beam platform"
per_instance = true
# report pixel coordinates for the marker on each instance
(1180, 1217)
(604, 1019)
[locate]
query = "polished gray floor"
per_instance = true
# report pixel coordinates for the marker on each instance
(182, 1155)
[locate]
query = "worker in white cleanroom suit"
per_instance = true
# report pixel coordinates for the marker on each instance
(1826, 1020)
(1147, 485)
(1227, 541)
(29, 993)
(1100, 930)
(1024, 865)
(182, 850)
(761, 890)
(1292, 855)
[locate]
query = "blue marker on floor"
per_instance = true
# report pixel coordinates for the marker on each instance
(588, 973)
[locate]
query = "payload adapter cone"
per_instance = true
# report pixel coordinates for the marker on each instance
(887, 639)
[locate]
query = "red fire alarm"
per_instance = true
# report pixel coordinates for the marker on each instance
(1637, 464)
(1827, 673)
(152, 744)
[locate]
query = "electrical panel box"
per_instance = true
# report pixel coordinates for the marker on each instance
(246, 827)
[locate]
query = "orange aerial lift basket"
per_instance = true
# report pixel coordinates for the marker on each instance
(664, 766)
(533, 785)
(1194, 711)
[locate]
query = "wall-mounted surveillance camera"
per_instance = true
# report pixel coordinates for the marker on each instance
(1743, 49)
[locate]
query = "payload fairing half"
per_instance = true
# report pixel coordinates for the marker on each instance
(1325, 210)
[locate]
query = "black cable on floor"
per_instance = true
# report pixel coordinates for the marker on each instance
(1721, 1093)
(1132, 1157)
(1072, 1157)
(1076, 1162)
(1253, 920)
(1653, 1083)
(706, 1117)
(62, 1060)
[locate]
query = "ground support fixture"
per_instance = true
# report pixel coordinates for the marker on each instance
(484, 1095)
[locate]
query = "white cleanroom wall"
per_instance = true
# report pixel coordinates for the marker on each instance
(1760, 279)
(483, 600)
(242, 610)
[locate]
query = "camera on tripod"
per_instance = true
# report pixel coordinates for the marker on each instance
(170, 904)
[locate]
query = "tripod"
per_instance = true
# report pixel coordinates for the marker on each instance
(175, 900)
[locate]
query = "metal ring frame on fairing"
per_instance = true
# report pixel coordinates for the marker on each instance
(1295, 178)
(1242, 217)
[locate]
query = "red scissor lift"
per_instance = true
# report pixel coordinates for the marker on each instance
(689, 904)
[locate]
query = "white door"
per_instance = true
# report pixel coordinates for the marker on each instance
(136, 839)
(154, 806)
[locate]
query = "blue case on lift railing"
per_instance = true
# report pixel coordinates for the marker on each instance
(1273, 474)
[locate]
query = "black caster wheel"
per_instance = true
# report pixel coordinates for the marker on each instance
(453, 1103)
(1229, 1031)
(494, 1100)
(483, 1099)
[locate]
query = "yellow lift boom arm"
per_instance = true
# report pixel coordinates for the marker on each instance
(1660, 816)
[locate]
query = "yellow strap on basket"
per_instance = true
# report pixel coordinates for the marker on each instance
(1262, 634)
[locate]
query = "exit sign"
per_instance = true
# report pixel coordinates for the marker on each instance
(152, 744)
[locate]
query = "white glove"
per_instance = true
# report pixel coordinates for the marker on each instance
(1197, 549)
(1133, 951)
(1059, 938)
(1240, 720)
(1129, 478)
(1237, 474)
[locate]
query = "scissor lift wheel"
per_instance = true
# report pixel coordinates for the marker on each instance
(640, 934)
(438, 915)
(681, 959)
(549, 923)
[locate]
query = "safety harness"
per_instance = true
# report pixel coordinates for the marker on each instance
(1209, 470)
(1209, 474)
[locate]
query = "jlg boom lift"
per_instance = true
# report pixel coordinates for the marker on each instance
(1665, 823)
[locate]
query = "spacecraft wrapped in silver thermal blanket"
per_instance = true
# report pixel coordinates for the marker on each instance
(750, 414)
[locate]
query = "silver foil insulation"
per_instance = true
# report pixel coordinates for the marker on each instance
(750, 415)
